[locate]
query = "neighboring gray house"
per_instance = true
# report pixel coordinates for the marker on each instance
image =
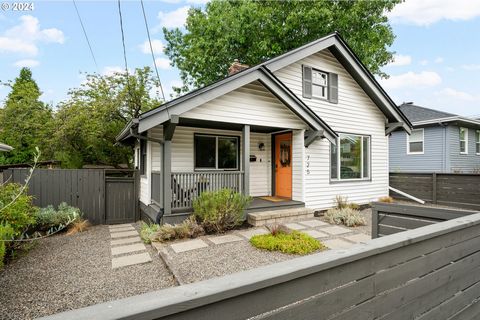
(440, 142)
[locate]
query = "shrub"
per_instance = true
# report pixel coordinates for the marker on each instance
(78, 226)
(294, 242)
(47, 218)
(147, 231)
(342, 202)
(277, 228)
(6, 233)
(346, 216)
(17, 209)
(386, 199)
(220, 210)
(189, 228)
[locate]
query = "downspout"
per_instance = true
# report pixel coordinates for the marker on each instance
(159, 216)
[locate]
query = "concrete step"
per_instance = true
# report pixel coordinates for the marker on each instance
(278, 216)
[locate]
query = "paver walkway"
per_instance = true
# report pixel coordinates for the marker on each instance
(127, 247)
(333, 236)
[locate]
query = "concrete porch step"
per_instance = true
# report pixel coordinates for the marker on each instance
(278, 216)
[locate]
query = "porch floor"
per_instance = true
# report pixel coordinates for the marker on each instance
(259, 204)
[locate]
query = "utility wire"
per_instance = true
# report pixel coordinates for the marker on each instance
(124, 51)
(85, 34)
(151, 50)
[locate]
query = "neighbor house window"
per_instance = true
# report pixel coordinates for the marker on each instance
(464, 140)
(477, 142)
(216, 152)
(143, 157)
(415, 141)
(350, 158)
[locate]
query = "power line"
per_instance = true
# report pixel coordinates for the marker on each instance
(124, 51)
(151, 50)
(85, 34)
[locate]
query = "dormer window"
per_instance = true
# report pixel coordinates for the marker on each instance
(319, 84)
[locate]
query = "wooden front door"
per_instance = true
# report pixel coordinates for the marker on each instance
(283, 165)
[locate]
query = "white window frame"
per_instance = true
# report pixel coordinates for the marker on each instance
(338, 153)
(319, 85)
(460, 140)
(477, 141)
(423, 142)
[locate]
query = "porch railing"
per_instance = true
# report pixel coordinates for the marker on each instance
(187, 186)
(156, 187)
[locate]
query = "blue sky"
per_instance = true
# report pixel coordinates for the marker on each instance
(437, 62)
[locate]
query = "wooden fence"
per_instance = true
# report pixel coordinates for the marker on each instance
(104, 196)
(452, 189)
(431, 272)
(390, 218)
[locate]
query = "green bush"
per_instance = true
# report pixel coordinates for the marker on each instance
(220, 210)
(147, 231)
(6, 233)
(294, 242)
(48, 217)
(189, 228)
(342, 202)
(346, 216)
(18, 214)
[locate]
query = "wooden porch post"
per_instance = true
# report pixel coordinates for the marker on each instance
(246, 159)
(168, 130)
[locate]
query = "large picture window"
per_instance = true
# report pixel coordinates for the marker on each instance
(350, 158)
(216, 152)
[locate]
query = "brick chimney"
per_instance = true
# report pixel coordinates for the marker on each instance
(236, 67)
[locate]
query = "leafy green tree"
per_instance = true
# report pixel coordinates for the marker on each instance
(254, 31)
(25, 121)
(88, 122)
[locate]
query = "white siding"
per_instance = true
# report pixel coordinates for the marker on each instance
(251, 104)
(261, 170)
(145, 184)
(156, 133)
(354, 113)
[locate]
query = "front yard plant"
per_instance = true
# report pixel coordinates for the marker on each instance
(346, 216)
(189, 228)
(49, 217)
(219, 211)
(294, 242)
(147, 231)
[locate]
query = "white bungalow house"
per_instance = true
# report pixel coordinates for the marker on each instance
(292, 132)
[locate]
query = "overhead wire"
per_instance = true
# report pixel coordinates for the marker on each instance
(85, 34)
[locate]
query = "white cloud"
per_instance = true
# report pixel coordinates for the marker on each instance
(112, 70)
(24, 37)
(197, 1)
(459, 95)
(174, 19)
(471, 67)
(424, 62)
(30, 63)
(169, 93)
(438, 60)
(412, 79)
(157, 47)
(400, 60)
(162, 63)
(427, 12)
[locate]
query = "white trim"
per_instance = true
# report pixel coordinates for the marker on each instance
(446, 119)
(338, 154)
(460, 140)
(423, 142)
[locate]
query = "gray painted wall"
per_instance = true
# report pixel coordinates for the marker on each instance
(432, 159)
(441, 152)
(462, 163)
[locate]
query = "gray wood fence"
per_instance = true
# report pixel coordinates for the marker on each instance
(390, 218)
(104, 196)
(453, 189)
(431, 272)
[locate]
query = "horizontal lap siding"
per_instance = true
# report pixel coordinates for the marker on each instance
(354, 113)
(252, 104)
(260, 170)
(433, 159)
(463, 163)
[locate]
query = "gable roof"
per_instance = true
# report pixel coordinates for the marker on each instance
(416, 113)
(263, 72)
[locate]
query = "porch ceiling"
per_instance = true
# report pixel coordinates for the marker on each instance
(187, 122)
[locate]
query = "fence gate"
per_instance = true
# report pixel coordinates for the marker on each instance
(104, 196)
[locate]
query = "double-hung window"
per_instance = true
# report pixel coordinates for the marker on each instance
(463, 140)
(350, 158)
(477, 142)
(216, 152)
(319, 84)
(415, 141)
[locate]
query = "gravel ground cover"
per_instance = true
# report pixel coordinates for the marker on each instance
(220, 260)
(68, 272)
